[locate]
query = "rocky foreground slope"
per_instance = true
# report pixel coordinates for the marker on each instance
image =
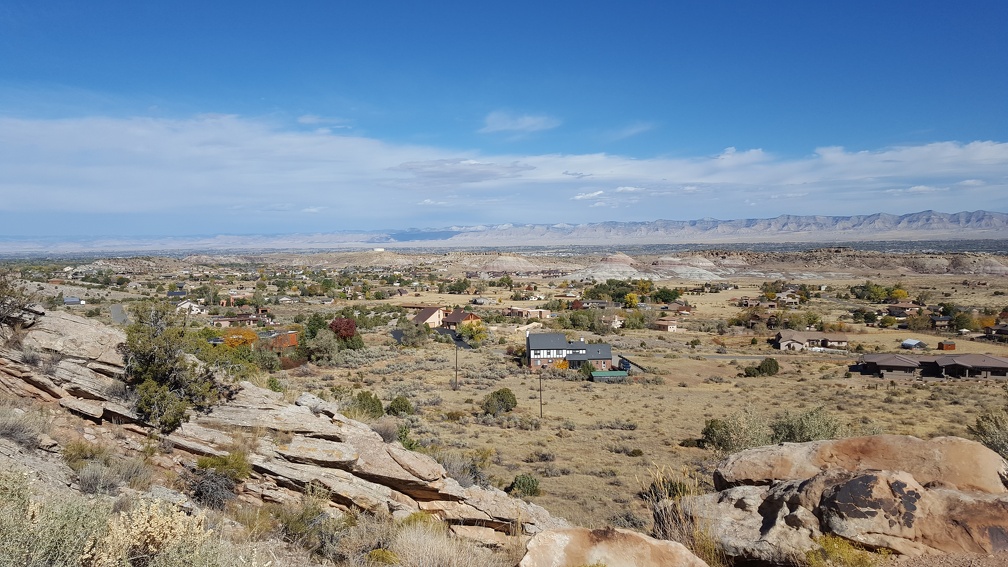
(939, 497)
(320, 446)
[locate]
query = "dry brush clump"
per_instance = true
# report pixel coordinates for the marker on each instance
(22, 426)
(100, 471)
(668, 494)
(419, 540)
(42, 529)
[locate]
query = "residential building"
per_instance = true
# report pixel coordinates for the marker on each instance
(789, 339)
(430, 316)
(458, 317)
(666, 324)
(546, 349)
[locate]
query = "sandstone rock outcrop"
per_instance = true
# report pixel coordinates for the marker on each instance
(306, 443)
(954, 461)
(907, 495)
(610, 547)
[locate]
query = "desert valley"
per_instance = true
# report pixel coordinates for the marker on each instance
(504, 393)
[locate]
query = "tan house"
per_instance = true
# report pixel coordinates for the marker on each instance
(458, 317)
(430, 316)
(666, 324)
(526, 313)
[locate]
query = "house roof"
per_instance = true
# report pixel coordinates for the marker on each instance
(552, 341)
(599, 351)
(806, 336)
(973, 361)
(425, 314)
(891, 360)
(458, 316)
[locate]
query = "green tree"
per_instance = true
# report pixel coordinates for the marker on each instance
(459, 286)
(665, 295)
(155, 360)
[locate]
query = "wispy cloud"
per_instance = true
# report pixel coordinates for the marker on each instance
(239, 174)
(500, 121)
(316, 120)
(631, 130)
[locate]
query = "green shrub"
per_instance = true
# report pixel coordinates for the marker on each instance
(233, 465)
(736, 432)
(524, 485)
(404, 438)
(812, 425)
(499, 401)
(158, 405)
(266, 360)
(400, 405)
(274, 383)
(366, 404)
(768, 367)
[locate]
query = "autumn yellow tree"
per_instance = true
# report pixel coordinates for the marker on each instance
(240, 336)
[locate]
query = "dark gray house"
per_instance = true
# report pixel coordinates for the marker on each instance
(546, 349)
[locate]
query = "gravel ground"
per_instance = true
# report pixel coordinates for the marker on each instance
(951, 560)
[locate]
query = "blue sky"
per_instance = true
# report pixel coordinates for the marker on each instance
(194, 118)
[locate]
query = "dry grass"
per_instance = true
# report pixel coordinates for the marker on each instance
(667, 494)
(587, 481)
(24, 426)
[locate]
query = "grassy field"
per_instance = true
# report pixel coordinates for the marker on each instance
(595, 443)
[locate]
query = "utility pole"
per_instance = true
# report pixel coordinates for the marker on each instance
(540, 395)
(455, 384)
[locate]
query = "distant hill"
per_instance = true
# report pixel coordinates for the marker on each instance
(925, 225)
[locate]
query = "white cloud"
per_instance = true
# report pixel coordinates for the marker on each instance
(228, 173)
(500, 121)
(971, 183)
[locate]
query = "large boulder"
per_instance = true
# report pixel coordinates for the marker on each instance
(77, 337)
(953, 461)
(610, 547)
(910, 496)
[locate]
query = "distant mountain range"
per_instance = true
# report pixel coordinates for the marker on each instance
(925, 225)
